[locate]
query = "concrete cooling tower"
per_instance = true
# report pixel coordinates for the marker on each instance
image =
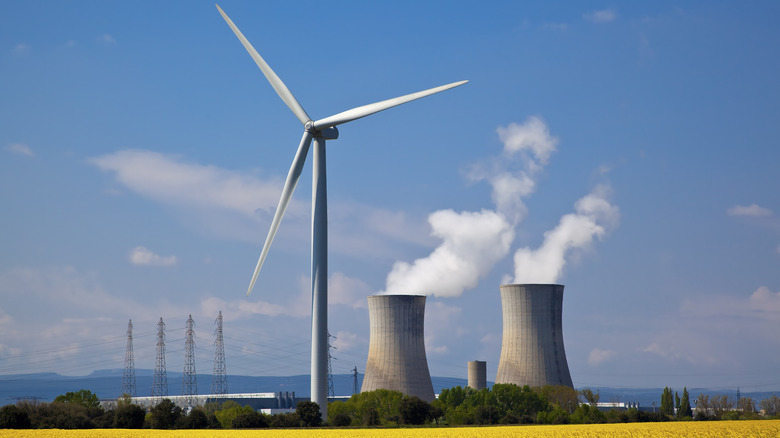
(396, 351)
(532, 347)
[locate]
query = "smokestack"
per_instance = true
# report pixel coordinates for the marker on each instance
(477, 374)
(396, 351)
(532, 347)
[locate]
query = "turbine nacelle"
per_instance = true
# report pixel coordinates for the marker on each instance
(329, 133)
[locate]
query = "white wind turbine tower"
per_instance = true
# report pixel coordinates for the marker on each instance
(317, 131)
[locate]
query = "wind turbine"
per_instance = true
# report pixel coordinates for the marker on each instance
(318, 132)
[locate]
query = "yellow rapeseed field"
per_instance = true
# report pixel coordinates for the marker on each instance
(713, 429)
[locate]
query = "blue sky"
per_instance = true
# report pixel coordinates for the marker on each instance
(627, 151)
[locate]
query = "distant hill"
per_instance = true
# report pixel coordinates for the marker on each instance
(107, 384)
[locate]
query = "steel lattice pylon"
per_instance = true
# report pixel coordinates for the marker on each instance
(219, 376)
(160, 382)
(331, 392)
(354, 381)
(128, 378)
(189, 379)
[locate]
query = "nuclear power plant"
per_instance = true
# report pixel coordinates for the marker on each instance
(396, 352)
(532, 350)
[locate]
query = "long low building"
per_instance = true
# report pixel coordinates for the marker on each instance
(266, 402)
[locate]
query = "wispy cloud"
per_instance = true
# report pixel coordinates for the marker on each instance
(556, 26)
(20, 149)
(21, 48)
(144, 257)
(752, 210)
(602, 16)
(106, 39)
(171, 180)
(598, 356)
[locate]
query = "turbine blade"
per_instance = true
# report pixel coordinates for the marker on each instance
(277, 83)
(284, 201)
(367, 110)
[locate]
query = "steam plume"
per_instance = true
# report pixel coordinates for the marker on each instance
(593, 218)
(473, 242)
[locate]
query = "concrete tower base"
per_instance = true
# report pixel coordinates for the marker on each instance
(396, 351)
(532, 350)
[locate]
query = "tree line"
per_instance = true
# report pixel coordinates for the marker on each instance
(501, 404)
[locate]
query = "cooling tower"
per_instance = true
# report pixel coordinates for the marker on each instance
(532, 347)
(396, 351)
(477, 374)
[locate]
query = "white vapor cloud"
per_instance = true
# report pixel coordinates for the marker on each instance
(170, 180)
(20, 149)
(751, 210)
(106, 39)
(527, 149)
(21, 48)
(144, 257)
(473, 242)
(594, 216)
(603, 16)
(598, 356)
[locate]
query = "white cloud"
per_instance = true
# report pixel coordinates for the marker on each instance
(170, 180)
(342, 290)
(533, 135)
(347, 291)
(345, 341)
(594, 216)
(21, 48)
(144, 257)
(765, 302)
(598, 356)
(752, 210)
(603, 16)
(472, 243)
(556, 26)
(106, 39)
(20, 149)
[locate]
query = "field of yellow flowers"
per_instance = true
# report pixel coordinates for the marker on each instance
(763, 428)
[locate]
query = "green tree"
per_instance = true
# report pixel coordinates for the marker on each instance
(565, 397)
(230, 410)
(589, 397)
(285, 420)
(676, 402)
(250, 420)
(164, 415)
(198, 418)
(83, 397)
(413, 410)
(309, 414)
(341, 413)
(667, 402)
(11, 417)
(58, 415)
(771, 405)
(685, 405)
(587, 414)
(129, 416)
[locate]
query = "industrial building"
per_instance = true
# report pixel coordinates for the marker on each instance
(396, 352)
(477, 374)
(532, 350)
